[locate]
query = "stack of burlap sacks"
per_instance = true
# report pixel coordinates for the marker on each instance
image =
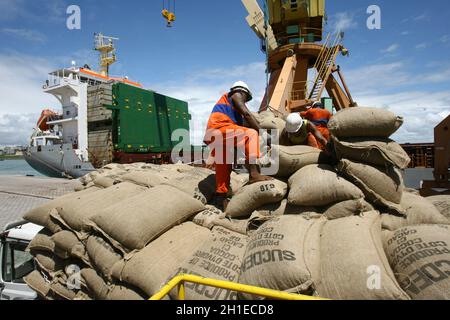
(339, 229)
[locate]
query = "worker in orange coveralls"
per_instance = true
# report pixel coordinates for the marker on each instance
(320, 118)
(225, 132)
(301, 132)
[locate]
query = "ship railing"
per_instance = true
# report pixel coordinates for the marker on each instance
(57, 80)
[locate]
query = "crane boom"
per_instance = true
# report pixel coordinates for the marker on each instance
(255, 20)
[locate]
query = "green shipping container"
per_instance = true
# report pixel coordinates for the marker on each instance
(143, 120)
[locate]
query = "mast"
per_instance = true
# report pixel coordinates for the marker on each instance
(105, 46)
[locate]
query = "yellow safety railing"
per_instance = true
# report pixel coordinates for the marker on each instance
(181, 279)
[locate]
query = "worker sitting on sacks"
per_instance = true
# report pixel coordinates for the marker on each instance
(320, 117)
(301, 132)
(225, 133)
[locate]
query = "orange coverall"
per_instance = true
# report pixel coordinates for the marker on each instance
(320, 118)
(225, 130)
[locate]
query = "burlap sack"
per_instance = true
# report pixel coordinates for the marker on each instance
(237, 182)
(253, 196)
(293, 158)
(152, 266)
(42, 242)
(374, 151)
(208, 217)
(136, 221)
(96, 285)
(106, 182)
(381, 186)
(419, 211)
(364, 122)
(199, 183)
(283, 254)
(102, 255)
(420, 257)
(268, 120)
(83, 296)
(319, 185)
(61, 291)
(41, 215)
(442, 203)
(76, 213)
(147, 178)
(122, 292)
(353, 265)
(218, 258)
(68, 245)
(36, 281)
(282, 208)
(347, 208)
(49, 263)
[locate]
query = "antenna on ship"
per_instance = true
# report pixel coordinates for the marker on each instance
(105, 45)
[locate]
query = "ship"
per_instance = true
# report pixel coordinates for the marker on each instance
(102, 119)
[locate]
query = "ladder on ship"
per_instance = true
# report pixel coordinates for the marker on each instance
(325, 65)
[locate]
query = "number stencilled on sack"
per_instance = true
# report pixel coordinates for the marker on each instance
(267, 187)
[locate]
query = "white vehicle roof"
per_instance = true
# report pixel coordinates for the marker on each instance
(26, 231)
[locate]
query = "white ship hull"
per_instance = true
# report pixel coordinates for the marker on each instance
(59, 161)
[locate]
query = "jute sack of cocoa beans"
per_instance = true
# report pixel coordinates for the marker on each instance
(41, 214)
(136, 221)
(382, 186)
(76, 213)
(374, 151)
(283, 254)
(253, 196)
(150, 268)
(353, 265)
(419, 211)
(442, 203)
(218, 258)
(420, 258)
(319, 185)
(364, 122)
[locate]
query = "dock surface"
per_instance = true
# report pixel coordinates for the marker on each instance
(19, 194)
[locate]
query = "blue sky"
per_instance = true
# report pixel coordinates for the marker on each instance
(404, 67)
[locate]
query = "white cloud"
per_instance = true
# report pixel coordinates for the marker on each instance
(445, 38)
(16, 129)
(29, 35)
(423, 16)
(405, 33)
(388, 86)
(49, 10)
(22, 99)
(343, 21)
(391, 49)
(421, 46)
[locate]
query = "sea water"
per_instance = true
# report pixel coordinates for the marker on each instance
(17, 167)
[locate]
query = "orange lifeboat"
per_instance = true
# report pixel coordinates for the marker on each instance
(45, 117)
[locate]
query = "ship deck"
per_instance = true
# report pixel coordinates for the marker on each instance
(19, 194)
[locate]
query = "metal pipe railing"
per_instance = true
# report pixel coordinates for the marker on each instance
(180, 280)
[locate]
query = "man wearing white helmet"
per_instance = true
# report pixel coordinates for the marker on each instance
(226, 130)
(301, 132)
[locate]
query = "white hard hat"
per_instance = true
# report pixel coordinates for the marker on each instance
(294, 123)
(317, 104)
(242, 86)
